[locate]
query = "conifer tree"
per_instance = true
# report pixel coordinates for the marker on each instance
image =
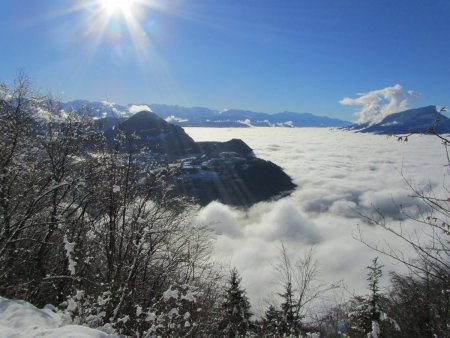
(373, 278)
(365, 313)
(290, 317)
(236, 308)
(272, 322)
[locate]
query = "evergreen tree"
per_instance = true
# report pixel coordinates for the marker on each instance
(359, 313)
(290, 318)
(365, 313)
(272, 322)
(373, 278)
(236, 308)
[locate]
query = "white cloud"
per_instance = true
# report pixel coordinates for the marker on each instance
(246, 122)
(133, 109)
(173, 118)
(339, 174)
(108, 103)
(221, 218)
(283, 221)
(377, 104)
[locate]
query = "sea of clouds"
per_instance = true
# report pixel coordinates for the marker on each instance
(340, 175)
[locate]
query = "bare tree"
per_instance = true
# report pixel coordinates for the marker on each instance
(430, 268)
(301, 286)
(22, 189)
(432, 243)
(87, 224)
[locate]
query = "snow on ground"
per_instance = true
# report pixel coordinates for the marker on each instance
(19, 319)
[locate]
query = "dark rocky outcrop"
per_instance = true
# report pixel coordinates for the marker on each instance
(149, 130)
(239, 182)
(225, 171)
(235, 146)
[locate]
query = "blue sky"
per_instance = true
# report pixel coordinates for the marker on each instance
(264, 55)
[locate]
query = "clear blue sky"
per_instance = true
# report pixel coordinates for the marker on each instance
(261, 55)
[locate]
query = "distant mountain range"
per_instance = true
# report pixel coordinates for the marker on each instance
(205, 117)
(409, 121)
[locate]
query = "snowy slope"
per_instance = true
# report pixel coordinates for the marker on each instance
(417, 120)
(19, 319)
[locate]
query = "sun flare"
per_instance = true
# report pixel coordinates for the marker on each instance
(112, 6)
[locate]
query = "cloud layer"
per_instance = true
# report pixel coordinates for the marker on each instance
(377, 104)
(339, 176)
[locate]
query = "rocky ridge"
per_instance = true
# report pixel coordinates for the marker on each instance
(227, 172)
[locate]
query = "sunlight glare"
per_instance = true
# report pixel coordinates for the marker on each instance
(112, 6)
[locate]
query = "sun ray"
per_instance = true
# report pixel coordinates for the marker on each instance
(117, 28)
(122, 6)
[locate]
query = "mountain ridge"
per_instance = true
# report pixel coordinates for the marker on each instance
(228, 172)
(206, 117)
(417, 120)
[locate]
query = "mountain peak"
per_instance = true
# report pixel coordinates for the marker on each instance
(153, 131)
(145, 115)
(417, 120)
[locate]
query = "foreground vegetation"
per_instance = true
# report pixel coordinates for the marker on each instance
(85, 227)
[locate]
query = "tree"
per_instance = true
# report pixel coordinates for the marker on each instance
(419, 306)
(359, 317)
(291, 320)
(433, 254)
(374, 276)
(236, 308)
(430, 269)
(370, 316)
(86, 223)
(272, 322)
(301, 287)
(19, 182)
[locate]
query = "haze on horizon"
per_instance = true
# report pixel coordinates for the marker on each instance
(266, 56)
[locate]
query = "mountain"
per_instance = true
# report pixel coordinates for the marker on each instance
(206, 171)
(148, 129)
(308, 120)
(418, 120)
(205, 117)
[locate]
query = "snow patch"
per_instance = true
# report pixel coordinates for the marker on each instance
(135, 108)
(170, 293)
(19, 319)
(69, 247)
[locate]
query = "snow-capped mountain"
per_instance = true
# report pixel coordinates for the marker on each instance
(205, 117)
(409, 121)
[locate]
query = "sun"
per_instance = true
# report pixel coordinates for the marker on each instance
(113, 6)
(122, 25)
